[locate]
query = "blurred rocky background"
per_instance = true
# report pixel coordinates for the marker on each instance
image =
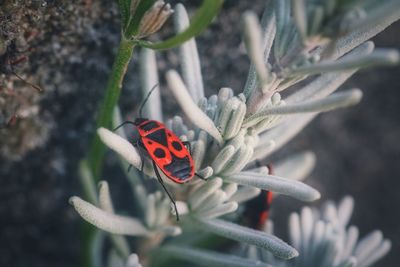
(67, 49)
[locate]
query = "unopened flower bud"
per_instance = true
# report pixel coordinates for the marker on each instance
(154, 18)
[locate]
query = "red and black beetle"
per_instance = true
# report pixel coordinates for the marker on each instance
(166, 151)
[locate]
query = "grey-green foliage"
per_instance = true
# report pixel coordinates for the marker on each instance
(324, 239)
(230, 132)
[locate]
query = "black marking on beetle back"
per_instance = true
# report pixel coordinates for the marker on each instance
(149, 126)
(159, 153)
(177, 146)
(179, 167)
(159, 137)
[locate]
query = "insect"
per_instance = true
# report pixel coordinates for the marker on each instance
(257, 209)
(166, 151)
(8, 60)
(10, 122)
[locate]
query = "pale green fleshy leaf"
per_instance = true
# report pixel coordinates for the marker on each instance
(380, 57)
(196, 116)
(253, 41)
(245, 193)
(120, 243)
(297, 166)
(204, 192)
(294, 230)
(368, 244)
(150, 215)
(206, 172)
(377, 254)
(149, 78)
(189, 58)
(345, 210)
(238, 161)
(121, 146)
(268, 25)
(106, 221)
(350, 242)
(351, 262)
(209, 258)
(125, 149)
(334, 101)
(220, 210)
(230, 190)
(214, 200)
(246, 235)
(235, 123)
(222, 158)
(282, 134)
(133, 261)
(353, 39)
(276, 184)
(97, 248)
(282, 13)
(328, 83)
(300, 16)
(86, 178)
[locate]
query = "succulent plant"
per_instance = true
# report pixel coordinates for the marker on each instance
(229, 133)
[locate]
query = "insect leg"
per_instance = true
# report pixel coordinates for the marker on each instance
(201, 177)
(165, 189)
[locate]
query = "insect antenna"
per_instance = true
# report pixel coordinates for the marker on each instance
(38, 88)
(145, 100)
(122, 124)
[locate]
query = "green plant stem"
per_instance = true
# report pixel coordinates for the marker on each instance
(113, 90)
(97, 150)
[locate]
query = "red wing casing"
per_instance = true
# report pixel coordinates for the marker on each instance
(167, 151)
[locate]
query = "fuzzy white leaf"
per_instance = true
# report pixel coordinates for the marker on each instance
(300, 16)
(120, 243)
(214, 200)
(220, 210)
(194, 113)
(253, 42)
(121, 146)
(294, 230)
(351, 241)
(268, 25)
(245, 193)
(105, 201)
(189, 57)
(368, 245)
(353, 39)
(329, 82)
(377, 254)
(204, 192)
(222, 158)
(345, 210)
(334, 101)
(149, 79)
(87, 181)
(276, 184)
(106, 221)
(297, 166)
(133, 261)
(380, 57)
(209, 258)
(246, 235)
(282, 134)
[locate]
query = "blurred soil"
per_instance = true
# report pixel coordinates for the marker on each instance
(357, 149)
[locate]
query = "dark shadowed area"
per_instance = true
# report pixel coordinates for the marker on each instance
(358, 152)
